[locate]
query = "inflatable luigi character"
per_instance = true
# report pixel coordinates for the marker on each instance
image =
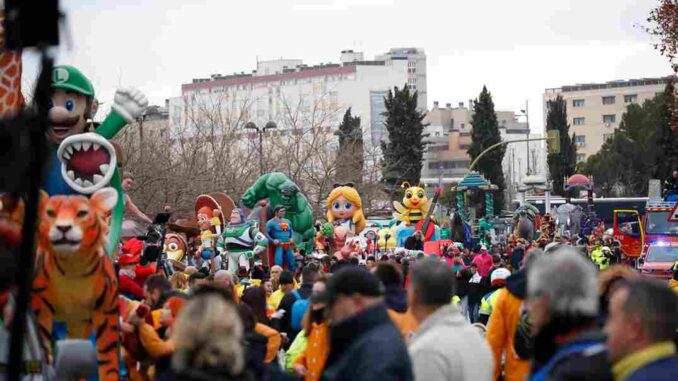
(82, 162)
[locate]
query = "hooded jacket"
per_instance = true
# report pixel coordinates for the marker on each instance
(395, 298)
(367, 347)
(446, 347)
(502, 325)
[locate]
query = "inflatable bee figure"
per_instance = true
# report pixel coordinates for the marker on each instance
(415, 205)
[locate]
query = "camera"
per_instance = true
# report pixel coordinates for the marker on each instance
(154, 240)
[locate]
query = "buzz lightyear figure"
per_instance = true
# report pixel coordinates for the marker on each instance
(241, 240)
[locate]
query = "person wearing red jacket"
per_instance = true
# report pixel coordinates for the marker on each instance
(126, 283)
(134, 247)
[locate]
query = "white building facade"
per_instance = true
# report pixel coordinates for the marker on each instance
(294, 95)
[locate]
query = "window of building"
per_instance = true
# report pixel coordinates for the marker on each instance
(631, 98)
(609, 118)
(462, 126)
(609, 100)
(437, 133)
(580, 140)
(577, 103)
(607, 137)
(579, 121)
(581, 157)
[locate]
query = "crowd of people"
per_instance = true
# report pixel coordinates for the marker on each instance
(514, 312)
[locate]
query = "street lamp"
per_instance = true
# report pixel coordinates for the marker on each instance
(527, 120)
(260, 131)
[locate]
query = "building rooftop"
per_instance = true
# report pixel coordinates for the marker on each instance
(610, 84)
(234, 80)
(300, 70)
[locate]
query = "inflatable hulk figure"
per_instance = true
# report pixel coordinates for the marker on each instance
(280, 190)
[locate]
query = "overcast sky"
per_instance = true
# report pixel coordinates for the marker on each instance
(517, 48)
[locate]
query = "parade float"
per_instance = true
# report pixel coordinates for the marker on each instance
(582, 220)
(279, 190)
(83, 162)
(182, 234)
(75, 290)
(75, 293)
(345, 219)
(241, 241)
(415, 214)
(211, 210)
(460, 226)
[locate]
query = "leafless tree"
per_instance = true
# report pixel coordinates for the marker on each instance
(205, 152)
(209, 149)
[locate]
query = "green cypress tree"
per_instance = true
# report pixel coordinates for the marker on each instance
(350, 159)
(403, 153)
(562, 164)
(485, 133)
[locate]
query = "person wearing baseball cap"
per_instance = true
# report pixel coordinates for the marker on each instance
(126, 283)
(497, 281)
(365, 345)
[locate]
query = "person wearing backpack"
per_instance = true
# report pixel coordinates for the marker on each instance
(297, 302)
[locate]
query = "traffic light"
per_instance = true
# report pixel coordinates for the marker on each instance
(553, 141)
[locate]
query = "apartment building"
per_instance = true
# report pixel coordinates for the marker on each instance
(595, 110)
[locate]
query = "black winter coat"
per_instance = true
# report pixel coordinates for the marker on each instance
(591, 364)
(367, 347)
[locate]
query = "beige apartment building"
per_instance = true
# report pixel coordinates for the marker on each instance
(595, 110)
(449, 137)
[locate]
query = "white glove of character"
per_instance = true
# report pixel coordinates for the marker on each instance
(129, 103)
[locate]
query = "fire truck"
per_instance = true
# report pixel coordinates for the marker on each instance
(636, 234)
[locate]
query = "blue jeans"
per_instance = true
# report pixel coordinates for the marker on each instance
(463, 304)
(285, 256)
(473, 312)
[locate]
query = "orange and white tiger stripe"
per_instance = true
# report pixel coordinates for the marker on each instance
(75, 281)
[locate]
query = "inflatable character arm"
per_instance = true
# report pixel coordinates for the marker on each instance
(128, 105)
(400, 208)
(401, 213)
(260, 240)
(256, 192)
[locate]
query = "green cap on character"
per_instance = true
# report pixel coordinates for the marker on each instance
(67, 77)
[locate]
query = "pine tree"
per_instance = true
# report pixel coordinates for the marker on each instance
(404, 150)
(350, 158)
(485, 133)
(563, 164)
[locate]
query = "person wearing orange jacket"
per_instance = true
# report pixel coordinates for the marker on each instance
(395, 298)
(158, 349)
(311, 361)
(503, 323)
(273, 343)
(255, 298)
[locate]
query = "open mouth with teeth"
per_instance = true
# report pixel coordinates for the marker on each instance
(87, 162)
